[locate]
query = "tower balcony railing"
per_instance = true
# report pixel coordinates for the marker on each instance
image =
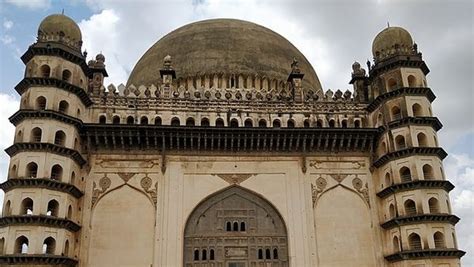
(415, 254)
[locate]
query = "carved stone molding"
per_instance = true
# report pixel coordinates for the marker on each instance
(339, 177)
(362, 189)
(146, 183)
(126, 176)
(234, 178)
(317, 189)
(104, 184)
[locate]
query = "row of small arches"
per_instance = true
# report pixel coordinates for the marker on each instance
(175, 121)
(415, 243)
(63, 106)
(268, 254)
(27, 205)
(410, 207)
(31, 171)
(48, 247)
(400, 142)
(235, 227)
(406, 175)
(45, 72)
(393, 84)
(201, 255)
(36, 136)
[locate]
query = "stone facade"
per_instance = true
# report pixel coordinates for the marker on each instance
(239, 162)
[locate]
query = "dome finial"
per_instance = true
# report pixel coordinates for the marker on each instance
(388, 24)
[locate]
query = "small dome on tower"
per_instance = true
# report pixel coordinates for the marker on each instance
(60, 28)
(100, 57)
(391, 40)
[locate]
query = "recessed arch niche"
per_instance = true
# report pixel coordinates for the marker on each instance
(264, 230)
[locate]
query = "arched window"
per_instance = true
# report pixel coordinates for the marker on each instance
(116, 120)
(235, 227)
(41, 103)
(219, 122)
(433, 205)
(306, 123)
(422, 140)
(73, 178)
(417, 110)
(130, 120)
(260, 254)
(66, 248)
(332, 123)
(205, 122)
(380, 120)
(344, 124)
(53, 207)
(26, 206)
(268, 255)
(204, 255)
(21, 245)
(400, 141)
(396, 113)
(439, 240)
(102, 119)
(144, 120)
(248, 123)
(196, 255)
(275, 253)
(45, 71)
(2, 246)
(49, 245)
(392, 84)
(356, 123)
(14, 172)
(175, 121)
(242, 227)
(234, 123)
(276, 123)
(31, 170)
(290, 124)
(414, 242)
(391, 211)
(410, 207)
(262, 123)
(66, 75)
(57, 172)
(7, 209)
(63, 106)
(319, 124)
(19, 137)
(405, 175)
(228, 226)
(412, 81)
(190, 122)
(69, 213)
(60, 138)
(158, 120)
(211, 255)
(36, 135)
(428, 172)
(396, 244)
(388, 179)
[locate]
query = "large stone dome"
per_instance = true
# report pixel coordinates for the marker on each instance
(225, 46)
(391, 39)
(60, 28)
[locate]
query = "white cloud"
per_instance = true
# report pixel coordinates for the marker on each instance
(9, 105)
(7, 39)
(7, 24)
(31, 4)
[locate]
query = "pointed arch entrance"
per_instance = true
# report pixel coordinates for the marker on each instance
(235, 228)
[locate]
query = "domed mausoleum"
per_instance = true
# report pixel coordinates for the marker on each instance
(223, 150)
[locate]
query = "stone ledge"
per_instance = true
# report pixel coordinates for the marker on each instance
(42, 220)
(424, 91)
(425, 253)
(413, 185)
(46, 147)
(420, 218)
(430, 121)
(41, 183)
(20, 115)
(36, 259)
(403, 153)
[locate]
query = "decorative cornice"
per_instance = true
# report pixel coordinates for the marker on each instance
(403, 153)
(28, 82)
(425, 253)
(424, 91)
(420, 218)
(46, 147)
(37, 259)
(20, 115)
(413, 185)
(429, 121)
(196, 138)
(41, 220)
(41, 183)
(407, 61)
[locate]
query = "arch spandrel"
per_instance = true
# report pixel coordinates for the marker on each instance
(259, 226)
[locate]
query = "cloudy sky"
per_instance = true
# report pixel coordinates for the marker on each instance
(332, 34)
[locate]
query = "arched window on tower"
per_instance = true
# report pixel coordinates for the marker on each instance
(204, 255)
(196, 254)
(388, 179)
(260, 254)
(422, 140)
(414, 242)
(41, 103)
(7, 209)
(319, 123)
(21, 245)
(144, 120)
(332, 123)
(26, 206)
(433, 205)
(262, 123)
(306, 123)
(344, 124)
(400, 141)
(211, 255)
(290, 123)
(158, 120)
(175, 121)
(357, 124)
(235, 227)
(49, 245)
(130, 120)
(205, 122)
(2, 246)
(66, 76)
(69, 213)
(102, 119)
(63, 106)
(276, 123)
(45, 71)
(116, 120)
(66, 248)
(396, 113)
(31, 170)
(268, 255)
(219, 122)
(405, 175)
(57, 172)
(60, 138)
(392, 84)
(248, 123)
(190, 122)
(234, 123)
(439, 240)
(417, 110)
(275, 253)
(228, 226)
(412, 81)
(396, 244)
(36, 134)
(410, 207)
(53, 207)
(391, 211)
(428, 172)
(242, 227)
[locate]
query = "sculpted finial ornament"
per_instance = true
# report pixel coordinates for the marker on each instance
(294, 66)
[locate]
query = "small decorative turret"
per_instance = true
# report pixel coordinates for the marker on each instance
(295, 78)
(359, 80)
(98, 73)
(167, 74)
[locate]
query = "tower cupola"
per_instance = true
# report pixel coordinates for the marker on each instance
(61, 29)
(392, 41)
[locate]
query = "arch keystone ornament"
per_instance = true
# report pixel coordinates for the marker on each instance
(237, 225)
